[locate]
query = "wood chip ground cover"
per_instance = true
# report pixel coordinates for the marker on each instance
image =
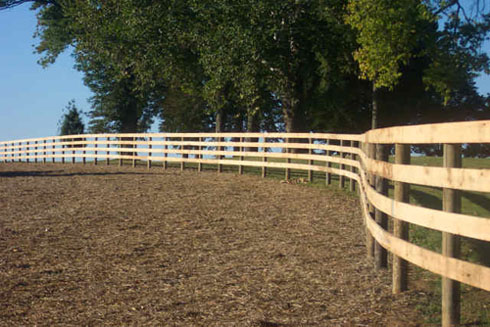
(90, 246)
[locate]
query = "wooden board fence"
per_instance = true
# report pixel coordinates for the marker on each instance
(350, 157)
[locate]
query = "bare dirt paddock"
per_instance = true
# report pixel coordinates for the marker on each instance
(90, 246)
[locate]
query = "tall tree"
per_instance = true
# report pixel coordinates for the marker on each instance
(390, 34)
(71, 121)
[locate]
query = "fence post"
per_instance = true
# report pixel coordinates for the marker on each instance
(183, 155)
(328, 153)
(240, 168)
(342, 166)
(44, 152)
(53, 160)
(27, 152)
(35, 151)
(352, 168)
(133, 154)
(264, 159)
(400, 228)
(119, 152)
(148, 165)
(62, 151)
(199, 165)
(108, 159)
(371, 154)
(310, 162)
(83, 151)
(380, 254)
(451, 202)
(220, 148)
(95, 152)
(165, 147)
(73, 154)
(288, 160)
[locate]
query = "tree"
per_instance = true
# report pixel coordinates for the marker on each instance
(387, 37)
(71, 121)
(391, 34)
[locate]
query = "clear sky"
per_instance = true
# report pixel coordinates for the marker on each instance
(32, 98)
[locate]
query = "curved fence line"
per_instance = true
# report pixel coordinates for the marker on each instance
(356, 159)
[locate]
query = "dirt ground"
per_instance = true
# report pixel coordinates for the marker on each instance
(92, 246)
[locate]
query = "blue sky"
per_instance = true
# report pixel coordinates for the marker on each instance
(32, 98)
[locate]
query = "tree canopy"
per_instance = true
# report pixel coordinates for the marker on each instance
(71, 121)
(296, 65)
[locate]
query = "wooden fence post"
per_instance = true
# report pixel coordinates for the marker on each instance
(342, 166)
(451, 202)
(182, 156)
(53, 160)
(73, 154)
(44, 152)
(133, 154)
(119, 152)
(352, 168)
(310, 162)
(62, 152)
(84, 159)
(264, 159)
(35, 151)
(95, 152)
(371, 153)
(27, 152)
(288, 160)
(108, 159)
(200, 156)
(220, 148)
(400, 228)
(165, 147)
(380, 253)
(240, 168)
(148, 165)
(328, 153)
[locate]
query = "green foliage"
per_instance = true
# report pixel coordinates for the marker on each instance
(388, 32)
(71, 121)
(290, 65)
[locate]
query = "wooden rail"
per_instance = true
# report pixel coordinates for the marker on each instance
(348, 156)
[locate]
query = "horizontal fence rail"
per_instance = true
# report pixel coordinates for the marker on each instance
(360, 160)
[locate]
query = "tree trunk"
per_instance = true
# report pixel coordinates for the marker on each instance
(374, 114)
(295, 122)
(253, 126)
